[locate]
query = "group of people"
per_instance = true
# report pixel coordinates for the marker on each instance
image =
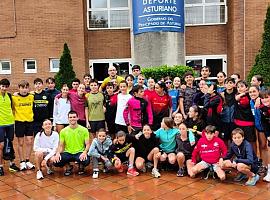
(131, 124)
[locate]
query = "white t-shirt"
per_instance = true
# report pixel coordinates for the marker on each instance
(121, 105)
(60, 111)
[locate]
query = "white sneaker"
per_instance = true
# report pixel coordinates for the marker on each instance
(95, 174)
(30, 165)
(39, 175)
(23, 166)
(267, 177)
(155, 173)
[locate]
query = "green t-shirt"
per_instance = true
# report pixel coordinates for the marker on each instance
(74, 139)
(95, 106)
(6, 115)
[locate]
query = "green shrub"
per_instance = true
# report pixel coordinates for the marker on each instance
(262, 60)
(162, 71)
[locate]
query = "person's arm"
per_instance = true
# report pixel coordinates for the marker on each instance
(54, 149)
(149, 113)
(83, 155)
(238, 96)
(55, 110)
(249, 159)
(195, 153)
(181, 105)
(60, 149)
(93, 151)
(191, 137)
(230, 153)
(36, 146)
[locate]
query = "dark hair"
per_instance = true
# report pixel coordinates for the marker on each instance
(120, 134)
(210, 128)
(256, 87)
(136, 67)
(93, 81)
(64, 85)
(209, 68)
(238, 130)
(101, 130)
(50, 79)
(129, 75)
(224, 74)
(42, 129)
(109, 84)
(163, 86)
(5, 82)
(238, 75)
(123, 81)
(168, 122)
(136, 88)
(167, 78)
(23, 84)
(265, 93)
(72, 112)
(76, 80)
(189, 73)
(227, 80)
(242, 82)
(38, 80)
(87, 75)
(259, 78)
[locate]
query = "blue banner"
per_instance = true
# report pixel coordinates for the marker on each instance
(158, 15)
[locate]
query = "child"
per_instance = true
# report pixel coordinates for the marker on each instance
(99, 151)
(141, 81)
(122, 151)
(147, 149)
(174, 94)
(178, 119)
(241, 157)
(177, 83)
(22, 104)
(138, 111)
(221, 76)
(184, 149)
(129, 79)
(211, 151)
(150, 89)
(45, 146)
(258, 81)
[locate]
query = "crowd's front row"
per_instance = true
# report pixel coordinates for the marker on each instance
(169, 144)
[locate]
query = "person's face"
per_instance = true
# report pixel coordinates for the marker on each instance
(139, 94)
(112, 71)
(47, 126)
(123, 88)
(254, 81)
(183, 129)
(220, 78)
(72, 119)
(189, 79)
(4, 88)
(75, 85)
(23, 90)
(101, 136)
(168, 84)
(205, 72)
(38, 86)
(178, 118)
(94, 87)
(237, 139)
(229, 85)
(121, 140)
(176, 82)
(81, 89)
(192, 113)
(136, 72)
(147, 132)
(202, 84)
(158, 89)
(51, 85)
(64, 90)
(241, 88)
(253, 93)
(209, 135)
(235, 77)
(151, 83)
(86, 80)
(141, 80)
(109, 90)
(129, 80)
(266, 101)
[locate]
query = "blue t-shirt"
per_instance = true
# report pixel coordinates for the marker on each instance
(174, 93)
(167, 139)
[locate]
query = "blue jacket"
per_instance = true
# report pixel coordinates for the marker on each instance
(98, 148)
(256, 112)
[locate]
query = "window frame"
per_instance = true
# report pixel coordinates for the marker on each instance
(108, 10)
(203, 4)
(1, 67)
(51, 65)
(29, 71)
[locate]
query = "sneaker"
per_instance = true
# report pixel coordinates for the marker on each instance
(267, 177)
(240, 177)
(68, 171)
(253, 180)
(50, 171)
(132, 171)
(95, 174)
(1, 171)
(39, 175)
(262, 170)
(23, 166)
(30, 165)
(149, 165)
(155, 173)
(81, 170)
(205, 174)
(121, 169)
(13, 168)
(180, 172)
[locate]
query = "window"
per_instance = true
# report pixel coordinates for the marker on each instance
(30, 66)
(99, 68)
(108, 14)
(217, 63)
(5, 67)
(205, 12)
(54, 64)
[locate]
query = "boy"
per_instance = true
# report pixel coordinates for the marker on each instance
(52, 92)
(23, 104)
(75, 84)
(210, 149)
(242, 157)
(122, 151)
(86, 81)
(99, 150)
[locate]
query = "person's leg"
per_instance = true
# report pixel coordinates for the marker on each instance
(163, 157)
(140, 163)
(59, 127)
(245, 169)
(171, 158)
(39, 155)
(263, 148)
(219, 171)
(180, 157)
(20, 148)
(198, 168)
(190, 165)
(1, 153)
(154, 156)
(131, 156)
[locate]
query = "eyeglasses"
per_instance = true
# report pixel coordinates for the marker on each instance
(168, 82)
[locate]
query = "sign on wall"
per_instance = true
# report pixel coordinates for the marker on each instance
(158, 15)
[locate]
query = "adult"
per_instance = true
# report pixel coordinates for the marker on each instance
(73, 146)
(112, 75)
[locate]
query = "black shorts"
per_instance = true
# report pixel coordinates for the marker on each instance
(37, 127)
(249, 131)
(96, 125)
(82, 123)
(119, 127)
(7, 132)
(24, 129)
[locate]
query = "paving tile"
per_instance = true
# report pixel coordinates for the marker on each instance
(16, 197)
(5, 188)
(8, 193)
(238, 195)
(27, 188)
(113, 186)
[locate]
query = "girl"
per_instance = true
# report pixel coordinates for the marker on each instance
(258, 81)
(45, 146)
(184, 149)
(150, 88)
(174, 94)
(60, 109)
(161, 104)
(130, 80)
(147, 149)
(178, 119)
(138, 111)
(167, 136)
(177, 83)
(221, 76)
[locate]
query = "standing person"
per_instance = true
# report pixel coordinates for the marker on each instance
(42, 105)
(221, 76)
(6, 123)
(150, 88)
(205, 74)
(141, 81)
(129, 79)
(52, 92)
(45, 146)
(75, 84)
(198, 98)
(22, 105)
(136, 71)
(186, 95)
(236, 77)
(73, 146)
(112, 75)
(86, 81)
(138, 111)
(177, 83)
(174, 94)
(60, 109)
(94, 110)
(161, 104)
(258, 81)
(122, 99)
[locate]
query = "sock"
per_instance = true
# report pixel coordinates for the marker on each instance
(22, 161)
(268, 169)
(26, 160)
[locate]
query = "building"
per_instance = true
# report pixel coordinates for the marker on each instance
(224, 34)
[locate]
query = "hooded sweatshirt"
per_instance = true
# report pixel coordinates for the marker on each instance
(98, 148)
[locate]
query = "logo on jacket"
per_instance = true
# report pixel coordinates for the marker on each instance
(216, 144)
(204, 146)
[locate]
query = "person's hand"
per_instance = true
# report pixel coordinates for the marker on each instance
(185, 116)
(115, 141)
(234, 165)
(88, 125)
(220, 163)
(130, 129)
(174, 113)
(257, 102)
(83, 156)
(57, 158)
(158, 155)
(192, 143)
